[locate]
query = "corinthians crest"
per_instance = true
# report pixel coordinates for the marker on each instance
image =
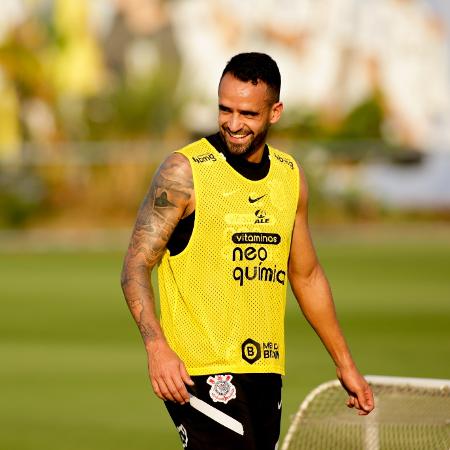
(222, 390)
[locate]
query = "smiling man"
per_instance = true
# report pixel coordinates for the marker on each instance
(226, 220)
(246, 113)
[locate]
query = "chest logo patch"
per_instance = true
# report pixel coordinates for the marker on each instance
(255, 199)
(222, 390)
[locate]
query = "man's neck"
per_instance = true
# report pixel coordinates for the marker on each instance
(256, 156)
(251, 169)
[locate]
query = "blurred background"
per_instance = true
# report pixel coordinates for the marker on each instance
(94, 94)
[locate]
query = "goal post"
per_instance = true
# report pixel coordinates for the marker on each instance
(410, 413)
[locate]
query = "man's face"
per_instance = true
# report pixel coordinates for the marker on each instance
(246, 112)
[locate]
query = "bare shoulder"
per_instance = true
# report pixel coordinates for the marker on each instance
(173, 185)
(177, 166)
(169, 199)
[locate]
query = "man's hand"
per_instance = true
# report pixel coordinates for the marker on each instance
(360, 393)
(168, 373)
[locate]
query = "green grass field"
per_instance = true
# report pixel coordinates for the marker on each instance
(73, 370)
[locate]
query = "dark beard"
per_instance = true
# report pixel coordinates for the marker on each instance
(240, 150)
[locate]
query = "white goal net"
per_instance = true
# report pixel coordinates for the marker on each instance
(409, 414)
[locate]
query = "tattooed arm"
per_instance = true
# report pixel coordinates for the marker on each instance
(169, 199)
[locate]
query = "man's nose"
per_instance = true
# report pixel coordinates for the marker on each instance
(235, 123)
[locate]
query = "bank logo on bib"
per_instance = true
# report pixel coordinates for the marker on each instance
(253, 351)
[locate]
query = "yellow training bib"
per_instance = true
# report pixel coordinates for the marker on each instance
(223, 297)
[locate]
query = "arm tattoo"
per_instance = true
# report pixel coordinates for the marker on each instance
(147, 332)
(160, 212)
(162, 201)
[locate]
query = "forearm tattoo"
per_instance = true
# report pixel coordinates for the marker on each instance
(160, 212)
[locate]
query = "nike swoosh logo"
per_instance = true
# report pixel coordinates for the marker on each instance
(279, 404)
(253, 200)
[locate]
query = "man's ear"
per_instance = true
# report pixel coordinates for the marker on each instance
(275, 113)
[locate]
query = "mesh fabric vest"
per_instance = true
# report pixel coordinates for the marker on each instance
(223, 297)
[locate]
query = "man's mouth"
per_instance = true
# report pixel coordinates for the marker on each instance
(237, 136)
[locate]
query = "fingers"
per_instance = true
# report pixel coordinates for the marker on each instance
(167, 389)
(185, 376)
(156, 388)
(161, 390)
(362, 401)
(352, 402)
(359, 392)
(177, 390)
(367, 401)
(171, 385)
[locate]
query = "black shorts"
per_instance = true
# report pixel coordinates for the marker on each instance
(230, 412)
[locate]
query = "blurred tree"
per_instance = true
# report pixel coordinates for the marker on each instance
(364, 121)
(78, 63)
(9, 124)
(134, 110)
(22, 79)
(22, 196)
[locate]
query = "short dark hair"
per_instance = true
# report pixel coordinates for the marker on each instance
(253, 67)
